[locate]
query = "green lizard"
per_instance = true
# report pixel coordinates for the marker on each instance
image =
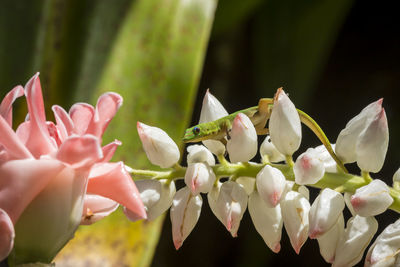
(259, 116)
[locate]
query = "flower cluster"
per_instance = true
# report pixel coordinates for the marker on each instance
(275, 190)
(55, 176)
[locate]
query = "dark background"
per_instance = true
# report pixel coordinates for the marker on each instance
(361, 66)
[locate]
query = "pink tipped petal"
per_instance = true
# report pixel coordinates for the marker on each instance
(107, 105)
(8, 100)
(111, 180)
(10, 141)
(54, 133)
(80, 151)
(7, 235)
(22, 180)
(109, 150)
(96, 208)
(64, 122)
(38, 142)
(81, 115)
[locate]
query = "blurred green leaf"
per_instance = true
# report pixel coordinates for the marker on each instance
(155, 65)
(230, 13)
(292, 40)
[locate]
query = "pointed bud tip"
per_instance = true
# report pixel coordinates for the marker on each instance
(177, 244)
(276, 248)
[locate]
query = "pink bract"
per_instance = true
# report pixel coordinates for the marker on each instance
(64, 160)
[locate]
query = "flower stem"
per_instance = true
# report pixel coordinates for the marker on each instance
(342, 182)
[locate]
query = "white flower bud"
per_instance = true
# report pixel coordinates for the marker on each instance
(184, 213)
(372, 144)
(304, 191)
(198, 153)
(308, 168)
(268, 149)
(271, 184)
(231, 204)
(212, 110)
(346, 142)
(267, 221)
(156, 196)
(284, 124)
(247, 183)
(199, 177)
(355, 239)
(396, 176)
(295, 208)
(242, 145)
(323, 154)
(160, 149)
(371, 199)
(328, 241)
(212, 198)
(384, 251)
(347, 200)
(324, 212)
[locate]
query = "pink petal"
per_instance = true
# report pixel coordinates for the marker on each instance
(107, 105)
(80, 151)
(96, 208)
(54, 133)
(7, 235)
(64, 122)
(109, 150)
(8, 100)
(22, 180)
(10, 141)
(111, 180)
(81, 115)
(38, 142)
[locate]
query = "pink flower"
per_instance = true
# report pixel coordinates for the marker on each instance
(46, 169)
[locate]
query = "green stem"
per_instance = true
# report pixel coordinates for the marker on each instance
(342, 182)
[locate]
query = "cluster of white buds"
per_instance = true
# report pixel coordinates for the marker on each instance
(274, 190)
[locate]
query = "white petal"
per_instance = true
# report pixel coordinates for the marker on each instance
(268, 149)
(231, 205)
(328, 241)
(346, 142)
(247, 183)
(355, 239)
(295, 208)
(199, 177)
(372, 144)
(242, 145)
(324, 212)
(199, 153)
(347, 200)
(267, 221)
(160, 149)
(304, 191)
(284, 124)
(384, 250)
(271, 184)
(396, 176)
(326, 158)
(156, 196)
(212, 110)
(212, 198)
(371, 199)
(184, 213)
(308, 168)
